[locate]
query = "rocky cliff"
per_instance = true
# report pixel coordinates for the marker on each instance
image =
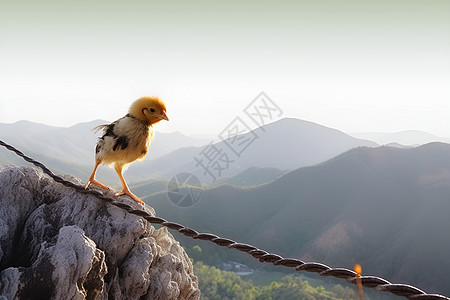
(58, 244)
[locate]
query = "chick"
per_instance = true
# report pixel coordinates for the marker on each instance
(128, 139)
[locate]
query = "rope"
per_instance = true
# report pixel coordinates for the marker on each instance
(263, 256)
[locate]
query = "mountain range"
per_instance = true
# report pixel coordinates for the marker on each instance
(285, 144)
(76, 143)
(384, 208)
(71, 150)
(402, 138)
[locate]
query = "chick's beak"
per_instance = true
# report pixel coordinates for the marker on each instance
(164, 116)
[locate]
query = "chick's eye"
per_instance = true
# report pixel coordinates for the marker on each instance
(152, 110)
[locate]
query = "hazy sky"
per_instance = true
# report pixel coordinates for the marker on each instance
(381, 65)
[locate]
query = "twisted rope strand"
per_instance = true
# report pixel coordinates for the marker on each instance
(263, 256)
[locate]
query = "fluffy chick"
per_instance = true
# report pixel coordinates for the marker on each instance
(128, 139)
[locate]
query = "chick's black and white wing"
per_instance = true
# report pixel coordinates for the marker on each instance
(110, 132)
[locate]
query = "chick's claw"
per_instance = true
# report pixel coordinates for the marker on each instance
(133, 196)
(95, 182)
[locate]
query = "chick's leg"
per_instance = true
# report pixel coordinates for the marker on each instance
(125, 189)
(92, 178)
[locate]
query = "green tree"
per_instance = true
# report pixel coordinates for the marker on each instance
(224, 285)
(196, 253)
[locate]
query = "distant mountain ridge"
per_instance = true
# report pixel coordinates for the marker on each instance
(405, 138)
(385, 208)
(71, 150)
(285, 144)
(76, 143)
(253, 177)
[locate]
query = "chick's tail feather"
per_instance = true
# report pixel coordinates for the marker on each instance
(100, 127)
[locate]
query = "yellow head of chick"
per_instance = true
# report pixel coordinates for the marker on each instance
(149, 109)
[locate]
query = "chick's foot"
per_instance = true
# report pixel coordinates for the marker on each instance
(95, 182)
(129, 193)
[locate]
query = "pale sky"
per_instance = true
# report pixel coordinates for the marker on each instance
(357, 66)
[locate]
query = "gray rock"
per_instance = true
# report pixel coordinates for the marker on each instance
(56, 243)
